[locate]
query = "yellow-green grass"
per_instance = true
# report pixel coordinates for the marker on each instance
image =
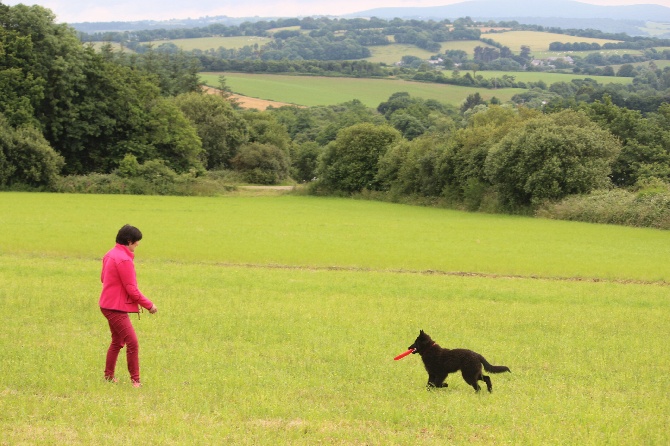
(313, 90)
(583, 54)
(207, 43)
(464, 45)
(335, 232)
(390, 54)
(537, 41)
(550, 78)
(285, 28)
(655, 29)
(114, 45)
(248, 355)
(661, 64)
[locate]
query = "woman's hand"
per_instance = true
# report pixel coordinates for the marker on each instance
(153, 309)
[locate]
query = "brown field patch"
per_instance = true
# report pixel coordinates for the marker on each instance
(247, 102)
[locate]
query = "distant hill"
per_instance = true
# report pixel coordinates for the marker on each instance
(564, 14)
(498, 9)
(141, 25)
(560, 13)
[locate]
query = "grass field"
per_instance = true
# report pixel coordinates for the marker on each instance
(550, 78)
(313, 90)
(279, 318)
(206, 43)
(115, 46)
(547, 54)
(390, 54)
(537, 41)
(656, 29)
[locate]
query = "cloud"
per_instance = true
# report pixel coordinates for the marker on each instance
(73, 11)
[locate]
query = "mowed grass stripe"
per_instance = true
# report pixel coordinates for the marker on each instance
(329, 232)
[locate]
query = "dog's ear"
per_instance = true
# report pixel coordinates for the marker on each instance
(420, 332)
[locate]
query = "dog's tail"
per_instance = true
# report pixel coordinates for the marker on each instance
(493, 368)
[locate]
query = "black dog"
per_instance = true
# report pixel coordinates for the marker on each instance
(439, 362)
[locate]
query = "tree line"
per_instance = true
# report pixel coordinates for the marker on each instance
(73, 119)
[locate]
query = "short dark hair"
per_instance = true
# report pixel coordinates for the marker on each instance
(127, 235)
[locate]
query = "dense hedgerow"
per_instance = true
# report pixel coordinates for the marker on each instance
(184, 185)
(647, 207)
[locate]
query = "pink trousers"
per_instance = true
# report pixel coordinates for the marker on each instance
(123, 334)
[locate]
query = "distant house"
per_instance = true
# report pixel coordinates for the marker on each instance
(548, 62)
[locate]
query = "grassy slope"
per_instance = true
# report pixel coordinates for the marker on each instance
(206, 43)
(242, 230)
(537, 41)
(312, 90)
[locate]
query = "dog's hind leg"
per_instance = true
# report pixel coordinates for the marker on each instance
(471, 378)
(487, 380)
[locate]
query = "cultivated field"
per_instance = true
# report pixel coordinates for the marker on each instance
(621, 52)
(279, 318)
(537, 41)
(550, 78)
(206, 43)
(316, 90)
(390, 54)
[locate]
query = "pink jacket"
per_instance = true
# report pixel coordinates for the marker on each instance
(119, 283)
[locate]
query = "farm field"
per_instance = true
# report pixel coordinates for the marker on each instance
(316, 90)
(207, 43)
(657, 29)
(620, 52)
(390, 54)
(661, 64)
(537, 41)
(279, 318)
(550, 78)
(115, 46)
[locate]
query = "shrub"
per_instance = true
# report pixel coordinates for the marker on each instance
(350, 163)
(551, 157)
(26, 158)
(649, 207)
(262, 163)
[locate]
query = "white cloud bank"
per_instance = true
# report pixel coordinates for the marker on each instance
(73, 11)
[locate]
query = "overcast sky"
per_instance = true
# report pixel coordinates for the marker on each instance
(73, 11)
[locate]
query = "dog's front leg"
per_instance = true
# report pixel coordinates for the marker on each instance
(436, 382)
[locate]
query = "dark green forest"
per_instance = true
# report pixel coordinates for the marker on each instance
(74, 119)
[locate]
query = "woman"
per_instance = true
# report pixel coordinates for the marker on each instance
(119, 297)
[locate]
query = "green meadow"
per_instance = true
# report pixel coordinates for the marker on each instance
(207, 43)
(537, 41)
(393, 53)
(279, 318)
(550, 78)
(318, 90)
(390, 54)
